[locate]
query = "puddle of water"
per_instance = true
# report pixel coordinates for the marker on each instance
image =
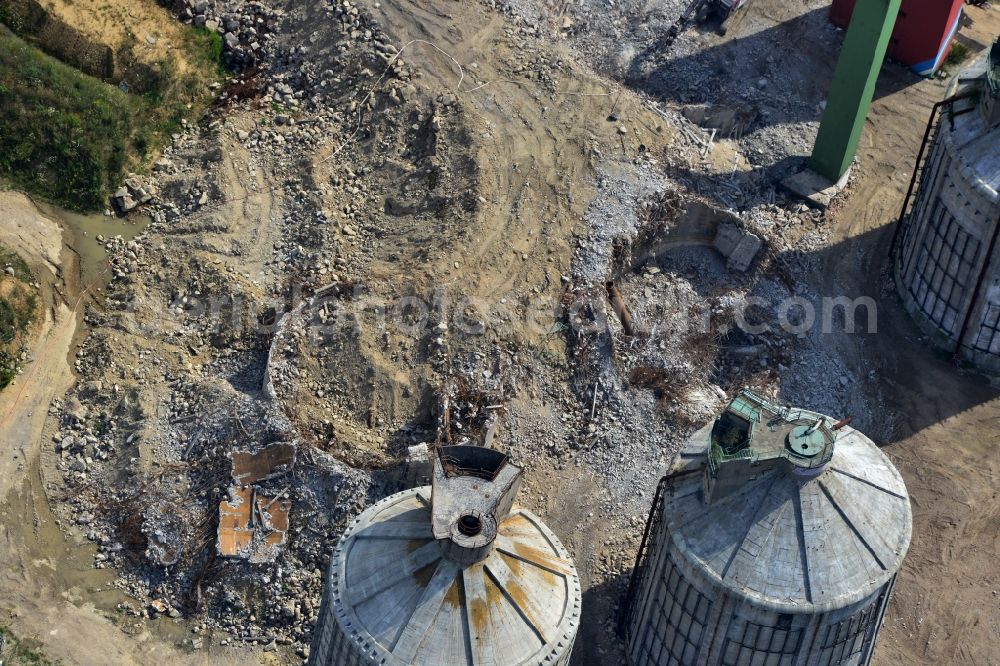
(83, 230)
(67, 566)
(66, 563)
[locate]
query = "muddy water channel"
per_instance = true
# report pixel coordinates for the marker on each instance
(82, 233)
(51, 593)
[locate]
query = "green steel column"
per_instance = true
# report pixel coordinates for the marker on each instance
(853, 86)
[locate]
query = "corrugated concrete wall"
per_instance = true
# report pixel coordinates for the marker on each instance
(948, 234)
(683, 617)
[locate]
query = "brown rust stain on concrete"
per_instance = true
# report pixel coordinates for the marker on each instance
(521, 599)
(422, 577)
(238, 526)
(542, 559)
(269, 462)
(453, 597)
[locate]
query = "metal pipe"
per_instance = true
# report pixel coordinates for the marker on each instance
(956, 357)
(843, 422)
(618, 304)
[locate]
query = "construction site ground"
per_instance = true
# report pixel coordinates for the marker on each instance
(521, 156)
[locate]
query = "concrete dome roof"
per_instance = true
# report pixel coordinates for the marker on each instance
(967, 136)
(398, 597)
(790, 543)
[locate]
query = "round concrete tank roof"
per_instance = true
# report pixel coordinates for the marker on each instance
(972, 143)
(793, 543)
(401, 601)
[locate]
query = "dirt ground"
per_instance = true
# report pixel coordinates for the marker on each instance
(147, 30)
(946, 605)
(525, 150)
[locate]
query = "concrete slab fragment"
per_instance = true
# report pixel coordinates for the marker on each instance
(727, 238)
(740, 247)
(268, 463)
(746, 251)
(816, 190)
(252, 526)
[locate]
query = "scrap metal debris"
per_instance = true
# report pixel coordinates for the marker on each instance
(252, 527)
(270, 462)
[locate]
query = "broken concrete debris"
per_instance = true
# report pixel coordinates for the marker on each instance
(740, 247)
(270, 462)
(253, 526)
(165, 531)
(729, 122)
(816, 190)
(345, 418)
(132, 194)
(419, 465)
(123, 200)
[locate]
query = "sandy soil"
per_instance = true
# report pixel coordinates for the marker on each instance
(23, 407)
(154, 35)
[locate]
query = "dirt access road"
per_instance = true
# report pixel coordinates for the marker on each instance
(945, 423)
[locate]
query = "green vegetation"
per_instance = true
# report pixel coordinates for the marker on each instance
(959, 52)
(12, 259)
(70, 138)
(18, 303)
(17, 652)
(206, 47)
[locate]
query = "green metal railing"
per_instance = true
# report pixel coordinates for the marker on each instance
(761, 413)
(993, 69)
(718, 456)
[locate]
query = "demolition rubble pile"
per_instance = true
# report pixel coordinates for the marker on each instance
(241, 396)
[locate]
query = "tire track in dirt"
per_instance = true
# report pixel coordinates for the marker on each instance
(533, 147)
(522, 144)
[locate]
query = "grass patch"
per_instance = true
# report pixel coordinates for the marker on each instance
(12, 259)
(204, 47)
(70, 138)
(16, 652)
(958, 54)
(18, 305)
